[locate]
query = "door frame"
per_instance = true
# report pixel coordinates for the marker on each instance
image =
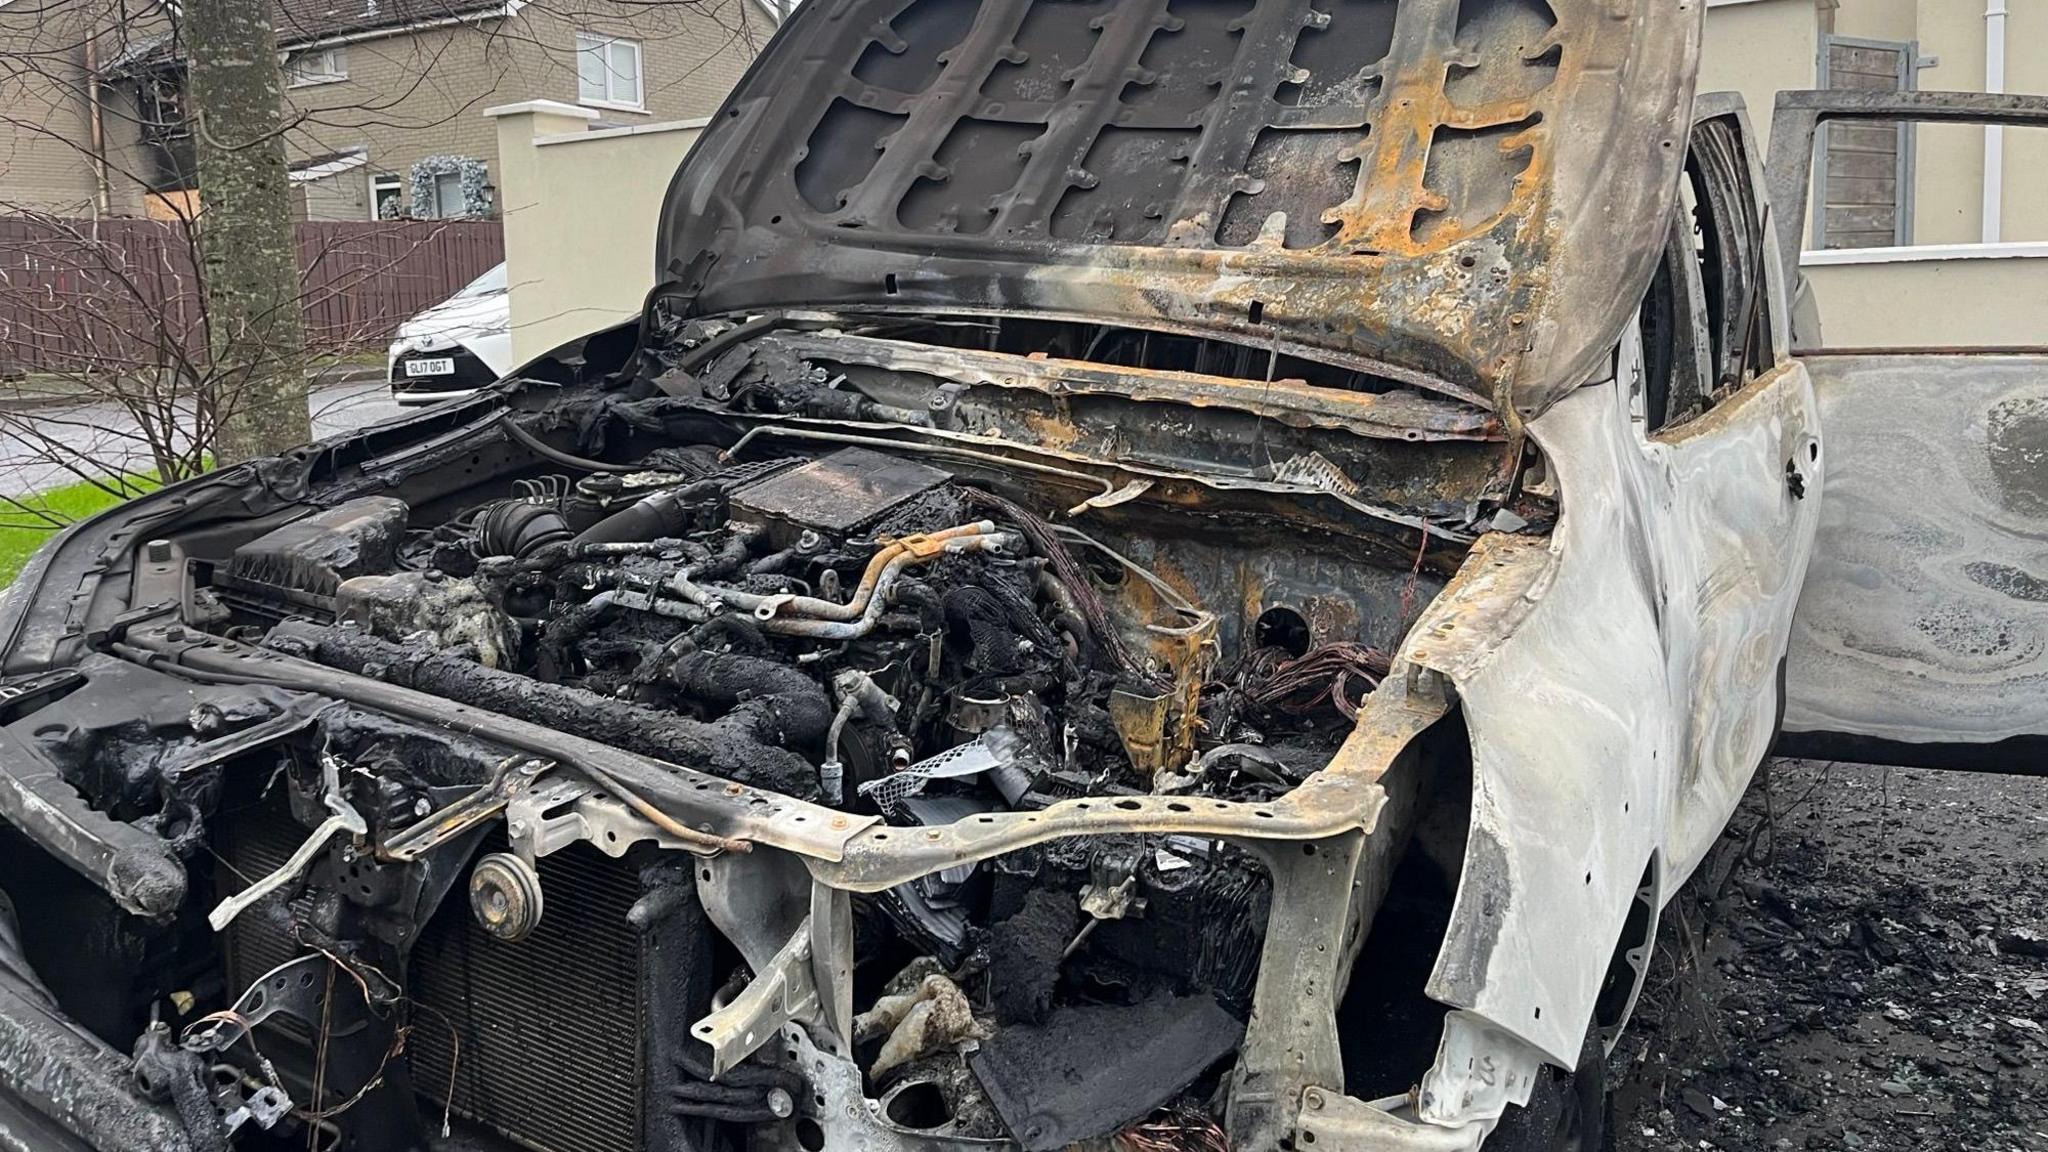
(1798, 115)
(1789, 180)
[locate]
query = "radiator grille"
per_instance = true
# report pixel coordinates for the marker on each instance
(550, 1025)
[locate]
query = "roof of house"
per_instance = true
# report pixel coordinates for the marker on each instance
(305, 21)
(299, 23)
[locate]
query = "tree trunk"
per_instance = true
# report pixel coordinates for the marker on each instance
(257, 385)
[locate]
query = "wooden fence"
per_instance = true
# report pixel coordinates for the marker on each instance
(125, 295)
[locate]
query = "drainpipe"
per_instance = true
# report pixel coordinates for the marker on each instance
(1994, 134)
(102, 198)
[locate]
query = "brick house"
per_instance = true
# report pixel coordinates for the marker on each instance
(384, 97)
(48, 159)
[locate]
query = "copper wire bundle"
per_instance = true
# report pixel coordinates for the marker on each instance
(1321, 677)
(1180, 1127)
(1106, 636)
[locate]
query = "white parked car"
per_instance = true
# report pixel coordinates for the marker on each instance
(455, 347)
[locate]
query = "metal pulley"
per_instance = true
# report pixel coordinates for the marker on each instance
(504, 895)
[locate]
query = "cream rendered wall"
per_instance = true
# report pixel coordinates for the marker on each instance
(2026, 149)
(580, 209)
(1933, 303)
(1758, 48)
(1906, 298)
(1948, 159)
(1876, 19)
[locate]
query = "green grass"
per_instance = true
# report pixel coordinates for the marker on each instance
(28, 522)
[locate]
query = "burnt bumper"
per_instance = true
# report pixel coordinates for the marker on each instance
(61, 1088)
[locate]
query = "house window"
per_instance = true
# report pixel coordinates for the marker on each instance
(161, 108)
(387, 197)
(607, 71)
(445, 200)
(317, 66)
(1863, 193)
(448, 188)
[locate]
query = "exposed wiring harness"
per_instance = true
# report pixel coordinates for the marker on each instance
(1271, 679)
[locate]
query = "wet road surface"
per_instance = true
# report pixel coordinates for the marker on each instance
(108, 435)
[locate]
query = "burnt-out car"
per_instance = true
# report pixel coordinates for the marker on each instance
(1176, 574)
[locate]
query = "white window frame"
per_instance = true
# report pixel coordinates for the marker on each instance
(392, 181)
(603, 46)
(334, 61)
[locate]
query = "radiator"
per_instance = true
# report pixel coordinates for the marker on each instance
(551, 1024)
(550, 1027)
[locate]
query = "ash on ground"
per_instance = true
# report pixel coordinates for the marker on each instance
(1866, 970)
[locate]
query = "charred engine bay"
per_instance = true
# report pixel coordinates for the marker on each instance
(913, 582)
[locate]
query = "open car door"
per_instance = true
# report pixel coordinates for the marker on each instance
(1921, 635)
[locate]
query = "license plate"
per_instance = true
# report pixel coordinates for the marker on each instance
(439, 366)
